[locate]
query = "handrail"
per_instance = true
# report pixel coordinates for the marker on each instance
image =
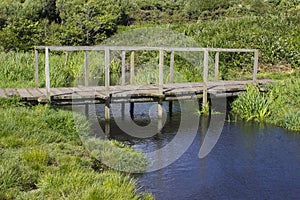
(161, 50)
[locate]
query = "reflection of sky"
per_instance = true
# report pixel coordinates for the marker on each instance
(250, 161)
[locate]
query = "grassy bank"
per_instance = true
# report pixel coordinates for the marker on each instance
(42, 157)
(280, 105)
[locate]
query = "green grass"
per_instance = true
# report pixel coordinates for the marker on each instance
(43, 157)
(280, 105)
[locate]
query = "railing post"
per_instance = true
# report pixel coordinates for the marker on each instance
(86, 68)
(255, 65)
(107, 83)
(205, 76)
(123, 67)
(36, 67)
(160, 83)
(47, 72)
(217, 65)
(107, 68)
(132, 68)
(172, 67)
(161, 71)
(171, 79)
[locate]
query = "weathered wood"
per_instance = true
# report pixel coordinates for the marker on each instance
(217, 65)
(205, 77)
(172, 67)
(132, 68)
(123, 81)
(47, 72)
(2, 94)
(107, 68)
(23, 93)
(86, 68)
(36, 68)
(130, 94)
(140, 48)
(161, 71)
(160, 109)
(255, 65)
(11, 92)
(107, 110)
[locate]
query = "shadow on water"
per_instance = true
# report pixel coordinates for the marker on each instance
(249, 161)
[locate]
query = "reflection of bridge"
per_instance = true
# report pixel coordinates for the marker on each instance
(134, 93)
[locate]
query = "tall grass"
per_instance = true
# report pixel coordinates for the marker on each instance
(43, 157)
(280, 105)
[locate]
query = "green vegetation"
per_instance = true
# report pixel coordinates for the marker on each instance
(42, 157)
(280, 105)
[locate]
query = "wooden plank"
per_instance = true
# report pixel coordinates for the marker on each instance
(2, 94)
(35, 92)
(11, 92)
(24, 94)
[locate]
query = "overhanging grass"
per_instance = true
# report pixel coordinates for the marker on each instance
(280, 105)
(42, 157)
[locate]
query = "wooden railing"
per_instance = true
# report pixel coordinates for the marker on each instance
(132, 49)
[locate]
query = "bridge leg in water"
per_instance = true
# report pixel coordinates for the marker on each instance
(123, 110)
(86, 110)
(107, 128)
(131, 110)
(170, 108)
(107, 110)
(160, 109)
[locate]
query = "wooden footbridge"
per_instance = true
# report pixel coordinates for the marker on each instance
(132, 93)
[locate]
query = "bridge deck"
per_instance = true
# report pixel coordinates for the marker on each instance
(128, 93)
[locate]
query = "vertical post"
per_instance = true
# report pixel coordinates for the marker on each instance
(171, 79)
(86, 68)
(86, 79)
(170, 107)
(123, 67)
(160, 83)
(47, 72)
(255, 65)
(205, 76)
(160, 108)
(123, 81)
(132, 68)
(107, 82)
(131, 110)
(107, 109)
(217, 65)
(107, 68)
(172, 67)
(161, 70)
(36, 67)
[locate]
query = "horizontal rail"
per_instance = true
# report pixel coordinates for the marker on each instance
(140, 48)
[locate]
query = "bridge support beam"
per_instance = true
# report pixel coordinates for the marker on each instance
(131, 110)
(170, 108)
(160, 109)
(107, 110)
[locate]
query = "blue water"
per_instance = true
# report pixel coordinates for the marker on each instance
(249, 161)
